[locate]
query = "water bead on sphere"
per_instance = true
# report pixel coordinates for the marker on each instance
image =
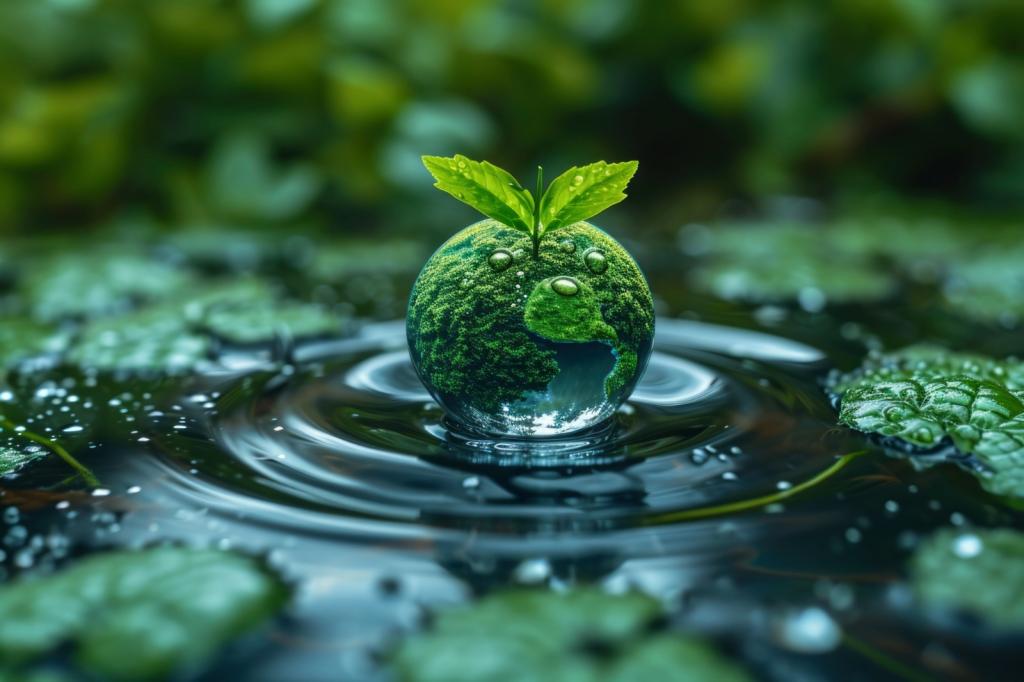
(516, 345)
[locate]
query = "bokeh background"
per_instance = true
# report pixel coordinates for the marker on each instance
(312, 114)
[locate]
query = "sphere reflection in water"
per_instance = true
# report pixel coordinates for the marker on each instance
(520, 344)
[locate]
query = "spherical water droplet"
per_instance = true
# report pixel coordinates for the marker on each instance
(595, 260)
(500, 260)
(567, 245)
(566, 286)
(518, 255)
(968, 546)
(810, 631)
(577, 180)
(533, 571)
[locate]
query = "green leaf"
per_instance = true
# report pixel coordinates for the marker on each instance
(12, 459)
(584, 191)
(155, 339)
(485, 187)
(255, 322)
(22, 338)
(134, 615)
(977, 571)
(581, 636)
(924, 395)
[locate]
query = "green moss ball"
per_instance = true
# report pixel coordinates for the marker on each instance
(515, 343)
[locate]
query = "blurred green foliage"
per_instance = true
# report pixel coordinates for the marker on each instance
(262, 112)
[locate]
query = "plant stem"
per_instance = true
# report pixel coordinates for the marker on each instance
(54, 447)
(536, 234)
(755, 502)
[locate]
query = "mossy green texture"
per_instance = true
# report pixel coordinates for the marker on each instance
(476, 332)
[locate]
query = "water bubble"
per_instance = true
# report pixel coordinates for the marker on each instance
(699, 456)
(471, 482)
(567, 245)
(500, 260)
(566, 286)
(783, 485)
(595, 260)
(11, 515)
(577, 180)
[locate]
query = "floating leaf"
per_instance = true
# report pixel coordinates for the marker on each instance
(584, 191)
(22, 338)
(75, 285)
(988, 286)
(973, 570)
(134, 615)
(580, 636)
(152, 340)
(485, 187)
(12, 459)
(923, 395)
(266, 320)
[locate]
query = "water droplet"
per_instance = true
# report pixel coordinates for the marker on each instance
(783, 485)
(577, 180)
(471, 482)
(595, 260)
(810, 631)
(462, 164)
(698, 456)
(533, 571)
(968, 546)
(566, 286)
(567, 245)
(500, 260)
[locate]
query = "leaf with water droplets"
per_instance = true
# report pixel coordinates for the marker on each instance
(12, 459)
(584, 191)
(924, 395)
(134, 615)
(259, 321)
(977, 571)
(21, 338)
(485, 187)
(581, 636)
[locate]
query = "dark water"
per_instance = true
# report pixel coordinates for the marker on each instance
(723, 486)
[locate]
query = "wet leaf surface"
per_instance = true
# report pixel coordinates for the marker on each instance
(134, 615)
(923, 396)
(976, 571)
(580, 636)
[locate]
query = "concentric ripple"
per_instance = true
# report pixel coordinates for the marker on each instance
(349, 443)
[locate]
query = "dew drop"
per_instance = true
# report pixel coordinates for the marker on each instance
(967, 546)
(595, 260)
(500, 260)
(577, 180)
(567, 245)
(565, 286)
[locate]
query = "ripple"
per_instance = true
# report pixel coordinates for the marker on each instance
(351, 445)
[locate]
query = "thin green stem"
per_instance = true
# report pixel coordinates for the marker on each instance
(536, 234)
(762, 501)
(54, 447)
(884, 660)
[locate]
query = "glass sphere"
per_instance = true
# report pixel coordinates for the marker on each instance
(513, 343)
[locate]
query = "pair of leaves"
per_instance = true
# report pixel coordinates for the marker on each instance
(577, 194)
(580, 636)
(923, 395)
(137, 615)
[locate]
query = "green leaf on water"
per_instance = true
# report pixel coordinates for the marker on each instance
(485, 187)
(134, 615)
(976, 571)
(988, 286)
(22, 338)
(100, 283)
(582, 192)
(155, 339)
(265, 320)
(924, 395)
(12, 459)
(581, 636)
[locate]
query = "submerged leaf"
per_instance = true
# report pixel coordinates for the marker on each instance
(580, 636)
(925, 395)
(485, 187)
(134, 615)
(977, 571)
(584, 191)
